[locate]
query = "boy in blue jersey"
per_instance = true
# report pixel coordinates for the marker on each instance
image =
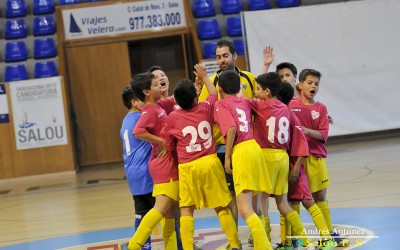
(136, 157)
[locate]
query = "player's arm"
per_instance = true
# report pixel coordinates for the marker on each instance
(230, 137)
(162, 149)
(294, 173)
(201, 76)
(313, 133)
(268, 59)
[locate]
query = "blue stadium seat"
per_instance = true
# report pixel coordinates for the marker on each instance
(287, 3)
(68, 2)
(88, 1)
(208, 29)
(16, 72)
(258, 5)
(234, 26)
(231, 6)
(203, 8)
(42, 7)
(239, 45)
(43, 26)
(45, 69)
(209, 50)
(16, 8)
(44, 48)
(16, 28)
(16, 51)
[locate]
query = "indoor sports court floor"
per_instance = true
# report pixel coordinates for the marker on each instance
(94, 210)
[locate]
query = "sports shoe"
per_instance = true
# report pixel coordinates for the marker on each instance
(250, 240)
(280, 246)
(196, 247)
(228, 247)
(124, 246)
(341, 241)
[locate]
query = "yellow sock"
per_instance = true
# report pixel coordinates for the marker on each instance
(187, 231)
(267, 226)
(149, 221)
(169, 235)
(323, 205)
(259, 235)
(296, 207)
(228, 224)
(319, 220)
(297, 227)
(282, 225)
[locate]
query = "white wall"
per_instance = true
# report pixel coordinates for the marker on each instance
(355, 45)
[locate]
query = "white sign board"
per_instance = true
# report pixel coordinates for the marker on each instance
(122, 18)
(38, 113)
(354, 46)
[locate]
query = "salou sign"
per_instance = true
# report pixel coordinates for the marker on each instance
(38, 113)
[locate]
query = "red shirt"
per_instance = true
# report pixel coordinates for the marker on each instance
(315, 117)
(190, 131)
(298, 142)
(234, 112)
(271, 123)
(153, 120)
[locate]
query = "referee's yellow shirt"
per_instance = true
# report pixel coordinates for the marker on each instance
(249, 84)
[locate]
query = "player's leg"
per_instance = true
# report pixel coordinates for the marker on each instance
(228, 225)
(149, 221)
(253, 221)
(187, 227)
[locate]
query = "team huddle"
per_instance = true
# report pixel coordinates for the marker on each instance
(228, 142)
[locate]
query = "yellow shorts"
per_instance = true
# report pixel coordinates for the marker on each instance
(317, 173)
(202, 183)
(278, 169)
(170, 189)
(249, 168)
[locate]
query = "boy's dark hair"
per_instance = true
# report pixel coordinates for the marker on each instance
(229, 82)
(154, 68)
(271, 81)
(230, 45)
(127, 97)
(308, 72)
(286, 93)
(141, 82)
(185, 93)
(287, 65)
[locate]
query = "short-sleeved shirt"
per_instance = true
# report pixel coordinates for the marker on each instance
(249, 84)
(190, 131)
(271, 123)
(153, 121)
(136, 157)
(234, 112)
(315, 117)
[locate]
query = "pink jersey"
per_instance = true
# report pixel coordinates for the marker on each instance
(298, 141)
(315, 117)
(190, 131)
(153, 120)
(271, 123)
(234, 112)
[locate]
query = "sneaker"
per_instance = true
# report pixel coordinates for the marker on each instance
(228, 247)
(341, 241)
(280, 246)
(124, 246)
(196, 247)
(250, 240)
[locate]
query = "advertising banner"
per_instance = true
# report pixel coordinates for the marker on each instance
(123, 18)
(38, 113)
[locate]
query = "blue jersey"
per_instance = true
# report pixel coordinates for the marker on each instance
(136, 157)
